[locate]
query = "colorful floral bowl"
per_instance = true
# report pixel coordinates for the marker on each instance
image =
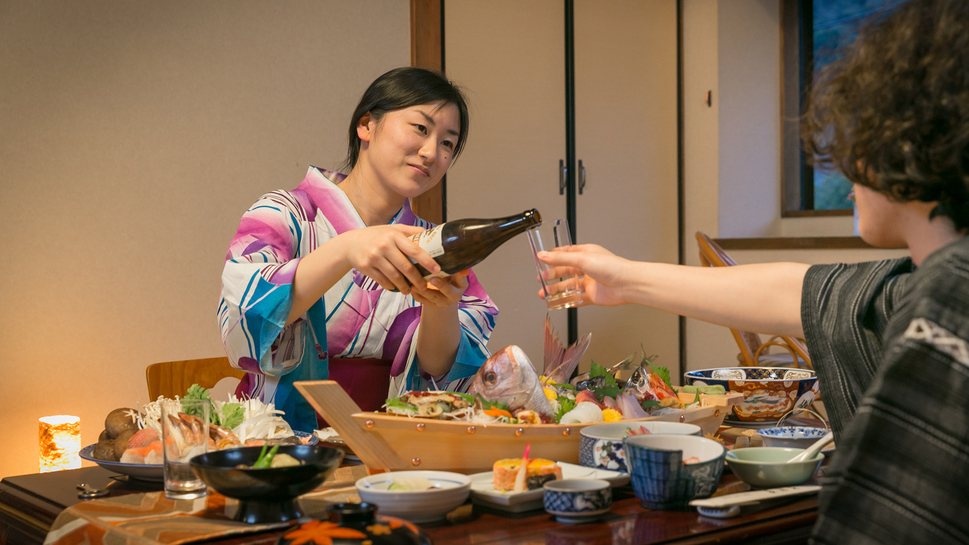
(577, 500)
(660, 478)
(769, 392)
(601, 445)
(767, 467)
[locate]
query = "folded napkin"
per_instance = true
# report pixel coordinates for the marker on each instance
(147, 519)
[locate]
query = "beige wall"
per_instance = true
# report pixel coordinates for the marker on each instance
(732, 150)
(133, 135)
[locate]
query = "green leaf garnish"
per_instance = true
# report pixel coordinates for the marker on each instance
(565, 405)
(485, 404)
(611, 387)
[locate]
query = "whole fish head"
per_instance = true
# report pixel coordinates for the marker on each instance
(508, 377)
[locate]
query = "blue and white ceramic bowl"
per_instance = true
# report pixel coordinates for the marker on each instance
(600, 446)
(661, 479)
(791, 436)
(577, 500)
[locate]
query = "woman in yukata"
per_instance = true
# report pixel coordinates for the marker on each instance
(319, 281)
(889, 339)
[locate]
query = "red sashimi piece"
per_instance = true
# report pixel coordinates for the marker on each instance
(588, 396)
(143, 438)
(141, 455)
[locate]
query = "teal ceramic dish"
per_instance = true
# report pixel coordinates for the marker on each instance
(659, 477)
(767, 467)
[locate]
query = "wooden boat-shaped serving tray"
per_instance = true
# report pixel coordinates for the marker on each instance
(394, 443)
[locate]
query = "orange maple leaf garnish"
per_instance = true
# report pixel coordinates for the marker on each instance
(321, 533)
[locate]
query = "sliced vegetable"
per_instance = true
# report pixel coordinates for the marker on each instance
(496, 412)
(265, 458)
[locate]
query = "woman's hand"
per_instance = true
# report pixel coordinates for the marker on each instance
(443, 292)
(381, 252)
(440, 337)
(602, 270)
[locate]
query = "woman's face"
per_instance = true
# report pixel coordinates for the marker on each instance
(409, 150)
(879, 218)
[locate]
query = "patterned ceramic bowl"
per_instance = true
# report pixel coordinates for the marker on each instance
(661, 479)
(577, 500)
(601, 445)
(769, 392)
(791, 437)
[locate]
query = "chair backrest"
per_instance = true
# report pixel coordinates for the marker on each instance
(172, 378)
(750, 344)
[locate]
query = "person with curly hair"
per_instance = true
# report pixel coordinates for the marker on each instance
(889, 339)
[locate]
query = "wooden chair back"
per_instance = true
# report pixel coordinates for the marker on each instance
(172, 378)
(750, 344)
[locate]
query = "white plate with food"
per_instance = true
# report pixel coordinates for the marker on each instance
(418, 496)
(483, 489)
(153, 472)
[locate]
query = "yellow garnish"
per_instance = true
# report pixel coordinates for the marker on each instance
(716, 438)
(611, 415)
(550, 394)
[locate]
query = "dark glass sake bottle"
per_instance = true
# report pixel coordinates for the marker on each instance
(460, 244)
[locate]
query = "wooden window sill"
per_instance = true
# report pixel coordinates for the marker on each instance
(793, 243)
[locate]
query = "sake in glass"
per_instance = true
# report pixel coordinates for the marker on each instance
(185, 433)
(562, 285)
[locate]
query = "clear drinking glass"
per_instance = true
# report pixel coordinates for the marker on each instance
(185, 433)
(562, 285)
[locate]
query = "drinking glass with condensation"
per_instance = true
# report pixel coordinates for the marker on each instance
(562, 285)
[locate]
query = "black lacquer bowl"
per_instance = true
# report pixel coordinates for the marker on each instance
(269, 494)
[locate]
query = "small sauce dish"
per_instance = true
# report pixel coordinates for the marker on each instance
(577, 500)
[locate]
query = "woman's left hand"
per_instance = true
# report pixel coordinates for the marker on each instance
(443, 292)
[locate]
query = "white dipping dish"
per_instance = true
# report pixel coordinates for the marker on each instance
(449, 492)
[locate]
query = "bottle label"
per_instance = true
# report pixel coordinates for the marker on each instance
(430, 241)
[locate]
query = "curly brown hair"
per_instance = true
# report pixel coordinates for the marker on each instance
(893, 113)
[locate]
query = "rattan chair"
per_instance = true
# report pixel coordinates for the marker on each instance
(753, 351)
(172, 378)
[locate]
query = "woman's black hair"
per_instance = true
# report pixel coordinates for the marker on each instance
(893, 113)
(403, 88)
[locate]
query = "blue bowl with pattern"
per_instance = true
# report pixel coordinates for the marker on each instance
(769, 392)
(791, 436)
(668, 471)
(577, 500)
(600, 446)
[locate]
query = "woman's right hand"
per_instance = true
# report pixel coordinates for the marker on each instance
(382, 251)
(602, 270)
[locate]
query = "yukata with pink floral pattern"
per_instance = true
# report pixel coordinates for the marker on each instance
(356, 318)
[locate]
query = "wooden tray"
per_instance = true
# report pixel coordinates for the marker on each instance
(393, 443)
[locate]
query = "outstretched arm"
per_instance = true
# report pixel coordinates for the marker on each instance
(764, 298)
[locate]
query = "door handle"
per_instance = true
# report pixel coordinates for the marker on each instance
(581, 177)
(563, 173)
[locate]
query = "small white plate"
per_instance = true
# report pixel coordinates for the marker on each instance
(483, 488)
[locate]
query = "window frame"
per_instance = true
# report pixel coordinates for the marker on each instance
(797, 52)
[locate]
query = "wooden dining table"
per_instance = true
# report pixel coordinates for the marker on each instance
(29, 504)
